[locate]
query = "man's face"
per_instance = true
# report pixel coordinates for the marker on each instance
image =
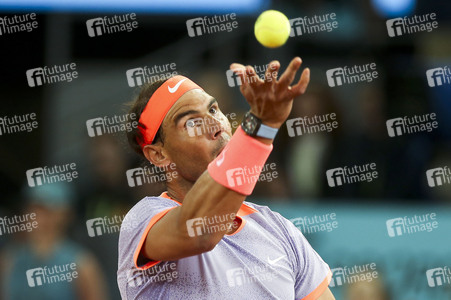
(195, 132)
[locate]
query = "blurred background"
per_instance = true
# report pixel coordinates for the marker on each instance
(63, 210)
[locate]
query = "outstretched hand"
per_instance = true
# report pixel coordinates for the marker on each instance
(270, 99)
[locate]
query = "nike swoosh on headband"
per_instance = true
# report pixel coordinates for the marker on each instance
(174, 89)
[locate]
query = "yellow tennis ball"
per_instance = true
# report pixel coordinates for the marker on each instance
(272, 29)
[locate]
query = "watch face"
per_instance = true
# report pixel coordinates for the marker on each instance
(250, 124)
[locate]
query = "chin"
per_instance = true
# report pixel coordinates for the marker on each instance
(219, 152)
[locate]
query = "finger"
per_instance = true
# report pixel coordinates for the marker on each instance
(249, 83)
(272, 71)
(252, 78)
(288, 76)
(236, 66)
(302, 85)
(240, 71)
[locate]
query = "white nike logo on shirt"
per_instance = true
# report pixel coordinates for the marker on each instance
(174, 89)
(272, 262)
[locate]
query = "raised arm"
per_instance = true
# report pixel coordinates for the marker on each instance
(271, 101)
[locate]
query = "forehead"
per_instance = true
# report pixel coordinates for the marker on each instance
(191, 100)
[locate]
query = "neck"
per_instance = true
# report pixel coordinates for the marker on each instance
(177, 189)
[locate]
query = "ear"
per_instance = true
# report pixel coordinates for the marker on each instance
(156, 155)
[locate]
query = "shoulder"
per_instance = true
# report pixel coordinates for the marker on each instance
(270, 219)
(265, 211)
(148, 205)
(144, 210)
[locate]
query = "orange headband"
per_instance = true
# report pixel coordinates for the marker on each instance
(160, 103)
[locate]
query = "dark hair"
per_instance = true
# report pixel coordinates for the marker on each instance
(136, 107)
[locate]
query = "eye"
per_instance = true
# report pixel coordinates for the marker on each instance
(213, 110)
(194, 122)
(190, 123)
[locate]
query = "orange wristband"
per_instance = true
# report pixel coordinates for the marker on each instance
(239, 165)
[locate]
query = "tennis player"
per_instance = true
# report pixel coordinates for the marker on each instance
(200, 240)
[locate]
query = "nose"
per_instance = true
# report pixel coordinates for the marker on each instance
(215, 127)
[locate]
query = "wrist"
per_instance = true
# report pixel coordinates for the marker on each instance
(255, 127)
(228, 169)
(275, 125)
